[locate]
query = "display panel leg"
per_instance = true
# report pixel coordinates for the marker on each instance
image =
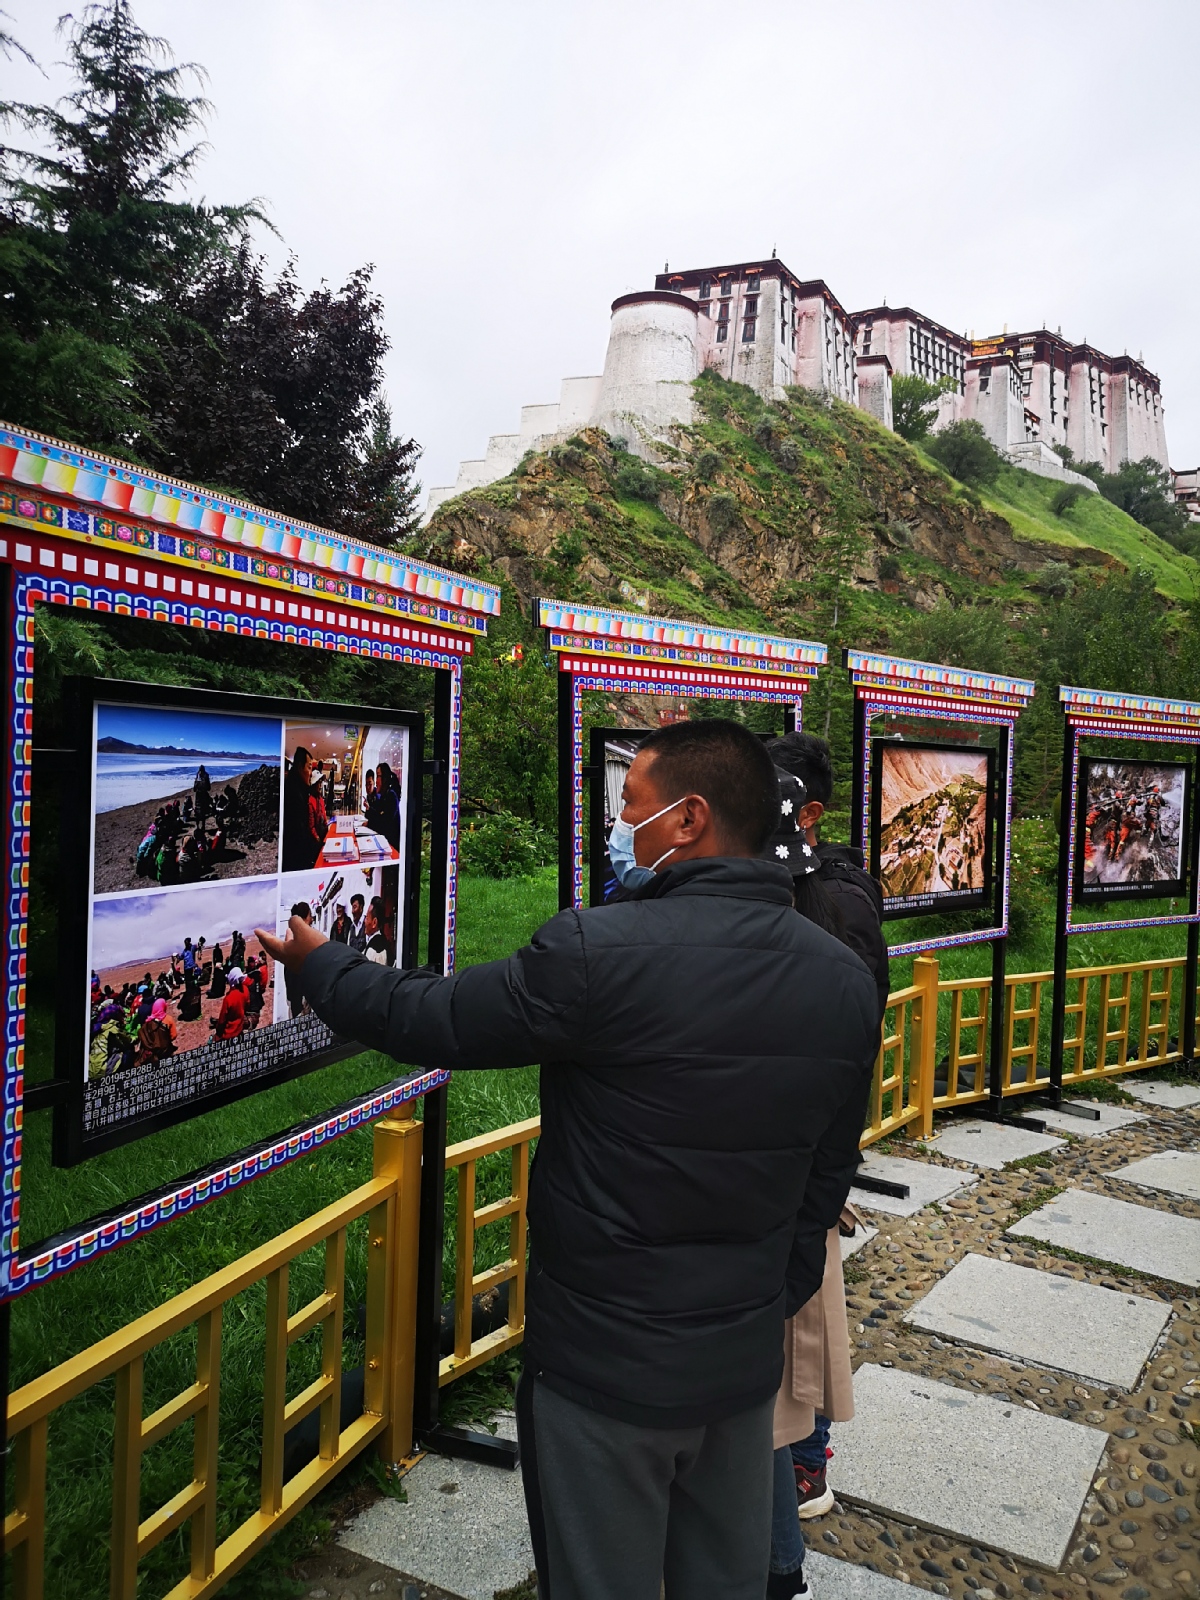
(1188, 1000)
(996, 1026)
(858, 753)
(566, 791)
(429, 1265)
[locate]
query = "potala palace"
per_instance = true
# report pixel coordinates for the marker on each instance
(759, 324)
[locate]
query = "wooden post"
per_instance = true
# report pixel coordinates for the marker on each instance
(925, 978)
(397, 1154)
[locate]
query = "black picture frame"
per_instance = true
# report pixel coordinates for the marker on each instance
(940, 901)
(1113, 893)
(72, 1142)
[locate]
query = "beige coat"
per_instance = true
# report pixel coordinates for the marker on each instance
(816, 1357)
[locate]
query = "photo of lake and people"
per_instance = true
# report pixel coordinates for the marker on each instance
(206, 825)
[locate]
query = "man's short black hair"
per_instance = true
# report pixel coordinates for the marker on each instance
(806, 757)
(729, 766)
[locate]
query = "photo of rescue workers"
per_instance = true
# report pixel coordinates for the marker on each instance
(1132, 829)
(355, 906)
(931, 825)
(344, 794)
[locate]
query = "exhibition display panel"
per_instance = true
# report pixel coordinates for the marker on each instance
(85, 531)
(631, 653)
(1129, 831)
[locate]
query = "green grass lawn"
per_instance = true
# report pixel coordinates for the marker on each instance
(56, 1321)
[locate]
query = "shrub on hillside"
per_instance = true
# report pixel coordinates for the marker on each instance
(967, 453)
(633, 481)
(722, 510)
(708, 464)
(1065, 498)
(504, 846)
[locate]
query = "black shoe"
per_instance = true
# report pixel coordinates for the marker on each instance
(787, 1586)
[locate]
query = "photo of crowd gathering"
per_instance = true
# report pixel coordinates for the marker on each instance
(155, 994)
(343, 794)
(1132, 835)
(183, 796)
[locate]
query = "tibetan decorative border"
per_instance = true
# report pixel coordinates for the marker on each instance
(871, 671)
(128, 492)
(72, 1248)
(1102, 714)
(137, 592)
(596, 622)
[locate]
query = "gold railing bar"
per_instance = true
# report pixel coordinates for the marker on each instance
(169, 1517)
(307, 1400)
(481, 1282)
(488, 1143)
(127, 1481)
(249, 1537)
(274, 1391)
(29, 1552)
(204, 1443)
(169, 1417)
(331, 1344)
(308, 1316)
(379, 1298)
(517, 1233)
(53, 1389)
(492, 1344)
(499, 1208)
(464, 1258)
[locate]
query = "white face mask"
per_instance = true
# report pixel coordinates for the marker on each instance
(621, 849)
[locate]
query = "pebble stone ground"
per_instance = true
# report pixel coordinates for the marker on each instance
(1138, 1536)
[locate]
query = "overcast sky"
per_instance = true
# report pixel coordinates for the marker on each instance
(511, 168)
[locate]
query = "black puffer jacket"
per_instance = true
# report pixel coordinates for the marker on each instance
(706, 1056)
(859, 899)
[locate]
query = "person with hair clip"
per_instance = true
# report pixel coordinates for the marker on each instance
(817, 1385)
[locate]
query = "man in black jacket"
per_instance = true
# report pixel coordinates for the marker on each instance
(706, 1056)
(852, 889)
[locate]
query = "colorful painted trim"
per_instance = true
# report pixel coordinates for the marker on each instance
(1083, 730)
(865, 664)
(44, 516)
(32, 587)
(126, 491)
(596, 621)
(951, 710)
(1113, 707)
(602, 650)
(703, 683)
(583, 676)
(73, 1248)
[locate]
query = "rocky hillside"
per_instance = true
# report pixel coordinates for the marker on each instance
(793, 516)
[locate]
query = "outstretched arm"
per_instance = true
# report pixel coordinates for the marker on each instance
(527, 1008)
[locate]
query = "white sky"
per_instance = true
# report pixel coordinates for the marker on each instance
(511, 168)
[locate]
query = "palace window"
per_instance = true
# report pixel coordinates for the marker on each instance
(723, 312)
(722, 332)
(752, 282)
(726, 285)
(705, 288)
(748, 330)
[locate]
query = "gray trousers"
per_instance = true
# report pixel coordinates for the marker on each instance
(616, 1510)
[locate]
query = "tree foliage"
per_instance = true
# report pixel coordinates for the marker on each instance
(138, 321)
(914, 405)
(967, 453)
(1146, 491)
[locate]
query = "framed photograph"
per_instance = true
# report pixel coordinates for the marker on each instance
(932, 825)
(611, 755)
(1132, 827)
(199, 817)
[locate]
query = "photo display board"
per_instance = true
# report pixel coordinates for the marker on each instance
(209, 815)
(932, 825)
(1132, 829)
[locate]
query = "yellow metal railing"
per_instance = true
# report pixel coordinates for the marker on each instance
(469, 1219)
(390, 1203)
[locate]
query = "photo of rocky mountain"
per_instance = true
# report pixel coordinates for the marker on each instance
(933, 821)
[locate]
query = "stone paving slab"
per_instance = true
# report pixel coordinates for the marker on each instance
(1175, 1171)
(990, 1144)
(987, 1470)
(1115, 1230)
(1111, 1118)
(863, 1234)
(1102, 1334)
(926, 1182)
(472, 1539)
(832, 1579)
(1153, 1092)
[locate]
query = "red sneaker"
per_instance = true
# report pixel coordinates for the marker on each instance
(813, 1494)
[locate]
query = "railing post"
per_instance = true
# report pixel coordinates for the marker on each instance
(397, 1154)
(925, 978)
